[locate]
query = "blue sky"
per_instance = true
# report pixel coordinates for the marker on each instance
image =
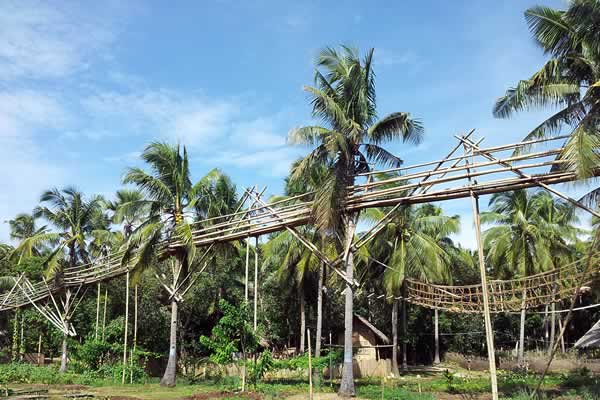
(84, 86)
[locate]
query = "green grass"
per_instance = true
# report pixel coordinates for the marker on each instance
(579, 384)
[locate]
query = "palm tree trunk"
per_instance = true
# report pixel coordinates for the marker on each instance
(521, 354)
(64, 355)
(302, 320)
(436, 324)
(395, 371)
(169, 377)
(404, 350)
(347, 382)
(552, 327)
(319, 313)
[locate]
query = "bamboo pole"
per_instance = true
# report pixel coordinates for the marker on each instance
(541, 184)
(310, 382)
(97, 313)
(126, 328)
(489, 335)
(40, 360)
(104, 317)
(135, 327)
(330, 361)
(247, 265)
(255, 280)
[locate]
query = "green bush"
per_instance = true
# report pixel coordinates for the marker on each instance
(301, 362)
(27, 373)
(577, 378)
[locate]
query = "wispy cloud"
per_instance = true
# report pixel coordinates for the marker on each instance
(389, 57)
(190, 119)
(26, 172)
(271, 163)
(40, 41)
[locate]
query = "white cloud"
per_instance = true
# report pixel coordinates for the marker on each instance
(25, 169)
(387, 57)
(193, 120)
(41, 41)
(258, 133)
(272, 163)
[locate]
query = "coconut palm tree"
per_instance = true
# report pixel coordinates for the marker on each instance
(517, 244)
(74, 218)
(343, 98)
(411, 246)
(128, 209)
(556, 219)
(295, 266)
(23, 227)
(293, 262)
(569, 80)
(170, 199)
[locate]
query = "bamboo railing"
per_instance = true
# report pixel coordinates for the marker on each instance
(485, 171)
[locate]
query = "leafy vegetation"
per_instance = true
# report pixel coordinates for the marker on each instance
(194, 306)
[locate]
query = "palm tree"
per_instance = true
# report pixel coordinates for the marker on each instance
(556, 219)
(74, 218)
(311, 182)
(128, 209)
(295, 266)
(344, 100)
(411, 246)
(569, 80)
(170, 199)
(23, 227)
(520, 242)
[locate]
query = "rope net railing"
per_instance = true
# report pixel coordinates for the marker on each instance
(477, 172)
(504, 295)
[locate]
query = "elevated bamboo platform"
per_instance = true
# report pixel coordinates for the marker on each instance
(477, 172)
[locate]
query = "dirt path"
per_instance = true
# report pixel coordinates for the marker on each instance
(321, 396)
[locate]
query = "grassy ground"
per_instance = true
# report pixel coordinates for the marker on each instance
(430, 388)
(424, 386)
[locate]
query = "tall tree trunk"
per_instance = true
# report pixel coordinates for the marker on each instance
(552, 327)
(347, 383)
(302, 320)
(546, 326)
(521, 354)
(436, 324)
(64, 356)
(40, 360)
(169, 377)
(319, 312)
(395, 370)
(15, 336)
(404, 336)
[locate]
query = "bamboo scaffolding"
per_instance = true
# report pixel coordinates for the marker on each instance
(436, 184)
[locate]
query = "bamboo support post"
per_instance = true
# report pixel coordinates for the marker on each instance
(97, 313)
(135, 327)
(489, 334)
(126, 328)
(310, 381)
(247, 265)
(104, 315)
(255, 281)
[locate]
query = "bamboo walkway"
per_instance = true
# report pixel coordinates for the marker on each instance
(476, 172)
